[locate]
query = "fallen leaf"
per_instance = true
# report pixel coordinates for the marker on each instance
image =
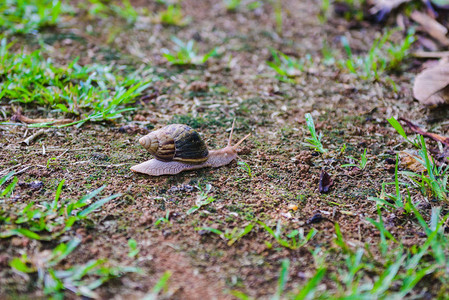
(411, 162)
(433, 136)
(431, 26)
(325, 182)
(198, 86)
(431, 85)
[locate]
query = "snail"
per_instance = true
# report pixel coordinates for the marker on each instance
(179, 148)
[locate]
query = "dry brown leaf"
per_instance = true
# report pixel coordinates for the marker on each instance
(411, 162)
(431, 26)
(431, 85)
(198, 86)
(325, 182)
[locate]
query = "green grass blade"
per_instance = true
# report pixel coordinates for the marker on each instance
(17, 264)
(81, 202)
(6, 177)
(308, 290)
(63, 250)
(96, 205)
(21, 232)
(10, 188)
(396, 125)
(54, 205)
(283, 278)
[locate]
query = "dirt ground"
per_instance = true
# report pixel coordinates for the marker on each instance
(284, 172)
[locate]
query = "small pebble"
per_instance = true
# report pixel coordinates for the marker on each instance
(182, 188)
(36, 185)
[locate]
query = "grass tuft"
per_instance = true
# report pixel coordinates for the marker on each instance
(49, 220)
(286, 67)
(185, 53)
(90, 93)
(173, 15)
(383, 56)
(314, 141)
(24, 17)
(80, 279)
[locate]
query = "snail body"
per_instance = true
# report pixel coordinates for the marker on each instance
(179, 148)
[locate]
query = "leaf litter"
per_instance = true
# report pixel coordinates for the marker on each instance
(431, 86)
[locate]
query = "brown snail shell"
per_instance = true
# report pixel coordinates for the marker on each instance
(176, 142)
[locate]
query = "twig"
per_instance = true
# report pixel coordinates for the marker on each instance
(80, 162)
(66, 150)
(5, 171)
(19, 117)
(433, 136)
(54, 149)
(32, 137)
(435, 54)
(23, 170)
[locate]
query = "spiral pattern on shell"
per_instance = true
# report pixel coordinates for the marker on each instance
(176, 142)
